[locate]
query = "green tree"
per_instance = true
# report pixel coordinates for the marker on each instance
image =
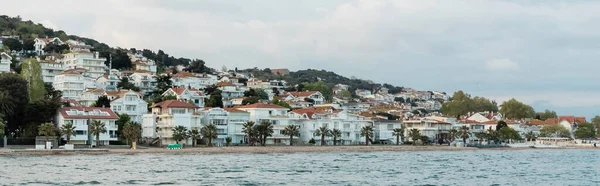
(47, 129)
(346, 94)
(480, 136)
(555, 130)
(321, 87)
(31, 71)
(163, 83)
(513, 109)
(507, 133)
(179, 133)
(367, 132)
(398, 132)
(12, 44)
(464, 133)
(209, 132)
(264, 130)
(585, 130)
(461, 103)
(132, 131)
(103, 102)
(547, 114)
(291, 130)
(323, 131)
(215, 100)
(415, 135)
(276, 101)
(258, 93)
(28, 44)
(228, 141)
(530, 136)
(195, 135)
(596, 123)
(68, 130)
(97, 128)
(197, 66)
(250, 100)
(248, 129)
(2, 132)
(492, 135)
(453, 134)
(125, 84)
(121, 121)
(501, 124)
(336, 134)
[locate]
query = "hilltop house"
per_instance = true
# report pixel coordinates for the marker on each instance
(91, 61)
(131, 103)
(187, 95)
(316, 96)
(40, 44)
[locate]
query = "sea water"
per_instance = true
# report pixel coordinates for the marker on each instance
(469, 167)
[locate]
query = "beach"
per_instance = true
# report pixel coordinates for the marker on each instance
(254, 149)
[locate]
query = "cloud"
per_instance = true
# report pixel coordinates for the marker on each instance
(501, 64)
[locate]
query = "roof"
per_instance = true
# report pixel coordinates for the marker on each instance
(310, 112)
(183, 75)
(302, 94)
(551, 121)
(572, 119)
(234, 110)
(174, 104)
(178, 90)
(225, 83)
(121, 93)
(84, 113)
(262, 105)
(71, 72)
(537, 122)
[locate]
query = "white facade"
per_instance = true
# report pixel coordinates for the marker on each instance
(5, 62)
(145, 81)
(349, 125)
(50, 69)
(229, 122)
(187, 95)
(131, 103)
(70, 82)
(92, 62)
(383, 130)
(40, 44)
(190, 80)
(166, 116)
(80, 117)
(431, 128)
(314, 95)
(275, 114)
(108, 82)
(90, 96)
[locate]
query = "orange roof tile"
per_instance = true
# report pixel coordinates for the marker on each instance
(302, 94)
(234, 110)
(262, 105)
(174, 104)
(224, 84)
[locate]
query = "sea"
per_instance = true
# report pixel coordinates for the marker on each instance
(468, 167)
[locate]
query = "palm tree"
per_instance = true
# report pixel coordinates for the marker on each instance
(530, 136)
(464, 133)
(47, 129)
(292, 130)
(367, 132)
(132, 131)
(415, 134)
(228, 140)
(480, 136)
(248, 128)
(179, 133)
(265, 129)
(336, 133)
(96, 128)
(194, 134)
(323, 131)
(209, 132)
(68, 130)
(398, 132)
(453, 134)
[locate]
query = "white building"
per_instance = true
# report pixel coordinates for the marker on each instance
(5, 61)
(186, 79)
(70, 82)
(143, 80)
(81, 117)
(275, 114)
(431, 128)
(92, 62)
(311, 119)
(314, 95)
(230, 91)
(383, 131)
(40, 44)
(90, 96)
(187, 95)
(50, 69)
(229, 122)
(158, 125)
(108, 82)
(131, 103)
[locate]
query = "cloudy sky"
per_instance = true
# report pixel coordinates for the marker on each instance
(543, 53)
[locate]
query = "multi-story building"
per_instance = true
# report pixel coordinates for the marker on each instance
(158, 125)
(433, 129)
(230, 91)
(275, 114)
(311, 119)
(383, 130)
(108, 82)
(40, 44)
(131, 103)
(316, 96)
(90, 96)
(82, 117)
(143, 80)
(186, 79)
(70, 82)
(50, 69)
(229, 122)
(92, 62)
(187, 95)
(5, 61)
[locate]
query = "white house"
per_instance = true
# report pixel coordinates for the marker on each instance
(90, 96)
(40, 44)
(50, 69)
(431, 128)
(229, 122)
(92, 62)
(186, 79)
(81, 117)
(70, 82)
(143, 80)
(478, 117)
(230, 91)
(275, 114)
(311, 119)
(158, 125)
(5, 61)
(187, 95)
(108, 82)
(383, 130)
(314, 95)
(131, 103)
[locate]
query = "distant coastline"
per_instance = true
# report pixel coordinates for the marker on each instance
(259, 150)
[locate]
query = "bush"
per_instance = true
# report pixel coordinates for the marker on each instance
(312, 141)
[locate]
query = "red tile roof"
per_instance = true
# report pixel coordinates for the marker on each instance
(262, 105)
(310, 112)
(225, 83)
(108, 111)
(234, 110)
(174, 104)
(537, 122)
(551, 121)
(183, 75)
(572, 119)
(302, 94)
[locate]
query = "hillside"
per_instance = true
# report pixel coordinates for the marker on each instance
(27, 31)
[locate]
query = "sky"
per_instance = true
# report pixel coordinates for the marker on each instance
(543, 53)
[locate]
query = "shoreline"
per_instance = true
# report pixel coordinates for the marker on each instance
(260, 150)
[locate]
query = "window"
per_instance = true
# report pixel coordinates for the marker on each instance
(390, 126)
(325, 125)
(218, 122)
(275, 122)
(178, 111)
(130, 107)
(221, 132)
(346, 126)
(270, 112)
(80, 132)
